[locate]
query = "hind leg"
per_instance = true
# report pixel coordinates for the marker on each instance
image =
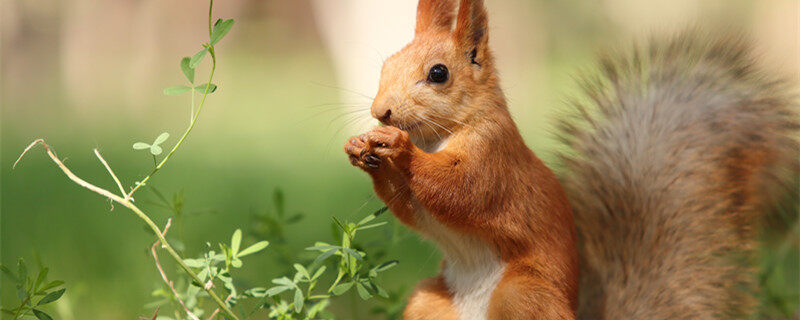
(431, 301)
(526, 297)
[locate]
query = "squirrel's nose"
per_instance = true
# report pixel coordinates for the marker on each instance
(386, 115)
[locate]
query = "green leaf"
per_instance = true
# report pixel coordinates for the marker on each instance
(258, 246)
(236, 263)
(258, 292)
(161, 138)
(236, 241)
(342, 288)
(141, 146)
(41, 315)
(202, 88)
(283, 281)
(317, 308)
(277, 290)
(194, 263)
(370, 226)
(40, 279)
(176, 90)
(297, 277)
(325, 255)
(298, 301)
(386, 266)
(187, 71)
(322, 247)
(50, 297)
(302, 270)
(155, 150)
(319, 273)
(197, 58)
(51, 285)
(380, 290)
(366, 219)
(353, 253)
(362, 291)
(221, 28)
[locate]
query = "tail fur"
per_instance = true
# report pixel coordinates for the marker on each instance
(675, 154)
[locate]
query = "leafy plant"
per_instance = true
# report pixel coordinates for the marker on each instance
(33, 292)
(297, 296)
(155, 148)
(216, 32)
(202, 277)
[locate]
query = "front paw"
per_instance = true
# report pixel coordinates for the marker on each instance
(390, 143)
(357, 148)
(378, 147)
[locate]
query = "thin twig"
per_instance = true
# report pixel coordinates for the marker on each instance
(164, 274)
(214, 314)
(69, 173)
(111, 172)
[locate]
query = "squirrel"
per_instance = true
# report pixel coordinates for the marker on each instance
(667, 167)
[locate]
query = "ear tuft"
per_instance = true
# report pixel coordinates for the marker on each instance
(471, 32)
(435, 15)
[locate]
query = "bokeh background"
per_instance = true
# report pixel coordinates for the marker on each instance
(87, 74)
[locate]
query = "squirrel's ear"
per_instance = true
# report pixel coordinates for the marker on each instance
(435, 15)
(471, 34)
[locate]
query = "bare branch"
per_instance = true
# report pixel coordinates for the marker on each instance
(71, 175)
(111, 172)
(164, 275)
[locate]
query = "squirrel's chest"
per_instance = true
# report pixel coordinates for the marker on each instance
(471, 271)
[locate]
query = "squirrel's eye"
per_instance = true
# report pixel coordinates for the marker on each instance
(438, 74)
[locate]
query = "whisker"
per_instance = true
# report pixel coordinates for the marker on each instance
(437, 124)
(354, 118)
(345, 90)
(348, 113)
(454, 120)
(337, 104)
(426, 122)
(321, 112)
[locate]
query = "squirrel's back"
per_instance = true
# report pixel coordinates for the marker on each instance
(673, 156)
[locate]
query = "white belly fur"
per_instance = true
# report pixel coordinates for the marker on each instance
(472, 269)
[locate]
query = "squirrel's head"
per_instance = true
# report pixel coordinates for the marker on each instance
(429, 88)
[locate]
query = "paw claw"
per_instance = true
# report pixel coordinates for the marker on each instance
(369, 150)
(372, 161)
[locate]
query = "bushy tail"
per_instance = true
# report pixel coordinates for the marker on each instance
(674, 156)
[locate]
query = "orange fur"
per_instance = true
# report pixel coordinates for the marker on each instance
(431, 301)
(484, 184)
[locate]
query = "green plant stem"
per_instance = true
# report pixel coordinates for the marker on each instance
(185, 133)
(16, 314)
(166, 246)
(195, 116)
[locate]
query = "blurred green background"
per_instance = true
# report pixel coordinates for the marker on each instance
(87, 74)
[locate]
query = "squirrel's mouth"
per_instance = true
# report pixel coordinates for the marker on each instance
(407, 127)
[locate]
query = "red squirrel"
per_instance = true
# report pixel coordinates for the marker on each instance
(450, 163)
